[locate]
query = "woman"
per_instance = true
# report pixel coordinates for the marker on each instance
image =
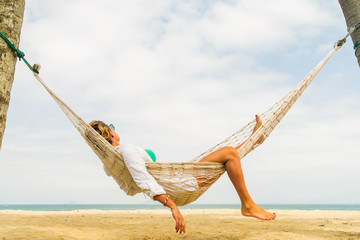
(134, 158)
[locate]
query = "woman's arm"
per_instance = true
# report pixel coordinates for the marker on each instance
(167, 202)
(148, 184)
(136, 166)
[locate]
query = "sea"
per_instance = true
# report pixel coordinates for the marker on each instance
(71, 207)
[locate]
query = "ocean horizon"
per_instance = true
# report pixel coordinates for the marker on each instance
(71, 207)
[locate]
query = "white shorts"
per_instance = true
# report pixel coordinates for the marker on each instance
(184, 182)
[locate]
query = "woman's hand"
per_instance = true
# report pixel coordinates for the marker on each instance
(166, 201)
(180, 222)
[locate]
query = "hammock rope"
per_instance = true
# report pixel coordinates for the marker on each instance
(176, 178)
(352, 28)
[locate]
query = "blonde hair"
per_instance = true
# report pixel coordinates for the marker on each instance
(102, 128)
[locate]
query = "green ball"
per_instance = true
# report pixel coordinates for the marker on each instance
(151, 154)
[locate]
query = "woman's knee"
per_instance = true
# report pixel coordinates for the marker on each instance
(230, 152)
(221, 155)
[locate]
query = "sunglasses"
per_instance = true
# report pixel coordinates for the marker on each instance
(112, 127)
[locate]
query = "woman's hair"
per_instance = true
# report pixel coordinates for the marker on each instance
(102, 128)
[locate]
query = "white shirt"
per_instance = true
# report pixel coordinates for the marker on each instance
(134, 158)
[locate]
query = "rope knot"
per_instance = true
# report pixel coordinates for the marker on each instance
(20, 54)
(340, 42)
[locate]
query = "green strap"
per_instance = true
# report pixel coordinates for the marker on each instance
(353, 28)
(356, 47)
(19, 53)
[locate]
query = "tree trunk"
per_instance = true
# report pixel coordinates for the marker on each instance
(351, 10)
(11, 18)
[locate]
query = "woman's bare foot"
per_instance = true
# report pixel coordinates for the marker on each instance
(257, 126)
(257, 212)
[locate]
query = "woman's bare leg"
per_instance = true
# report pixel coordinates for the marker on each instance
(230, 157)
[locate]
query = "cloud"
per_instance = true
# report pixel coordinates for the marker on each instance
(178, 77)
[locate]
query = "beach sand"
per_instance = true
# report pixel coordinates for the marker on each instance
(158, 224)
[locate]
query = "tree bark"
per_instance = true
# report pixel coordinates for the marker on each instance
(351, 10)
(11, 18)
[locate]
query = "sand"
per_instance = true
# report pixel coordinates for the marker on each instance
(158, 224)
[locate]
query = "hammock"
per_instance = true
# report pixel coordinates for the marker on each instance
(175, 177)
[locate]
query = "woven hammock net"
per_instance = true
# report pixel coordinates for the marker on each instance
(166, 174)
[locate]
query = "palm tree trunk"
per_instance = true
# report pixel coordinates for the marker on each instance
(351, 10)
(11, 18)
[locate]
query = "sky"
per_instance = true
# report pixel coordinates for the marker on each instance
(178, 77)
